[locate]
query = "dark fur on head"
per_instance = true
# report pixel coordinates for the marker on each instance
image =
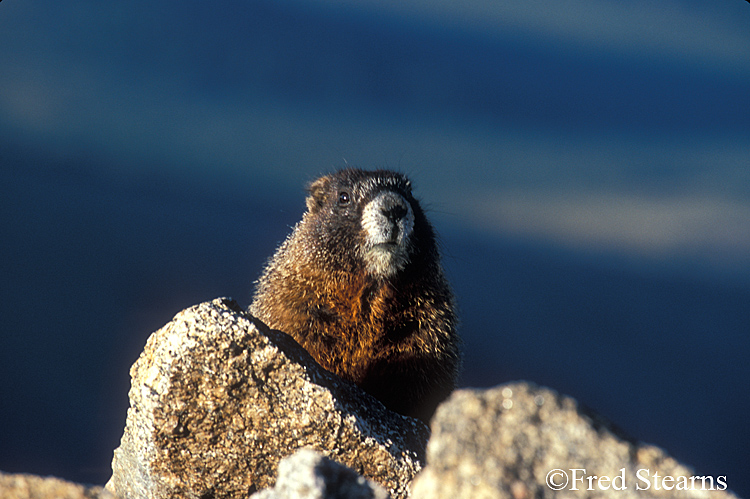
(359, 284)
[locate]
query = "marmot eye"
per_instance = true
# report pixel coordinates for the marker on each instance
(344, 198)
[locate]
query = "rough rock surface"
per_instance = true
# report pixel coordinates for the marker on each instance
(506, 442)
(36, 487)
(217, 399)
(310, 475)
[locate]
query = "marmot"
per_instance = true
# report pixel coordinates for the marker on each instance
(359, 285)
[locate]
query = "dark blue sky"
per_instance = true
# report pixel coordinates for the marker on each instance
(559, 104)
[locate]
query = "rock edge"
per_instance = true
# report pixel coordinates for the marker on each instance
(217, 399)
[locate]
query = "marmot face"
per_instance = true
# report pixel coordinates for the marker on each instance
(359, 285)
(373, 211)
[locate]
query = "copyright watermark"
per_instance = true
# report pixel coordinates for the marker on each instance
(644, 479)
(557, 479)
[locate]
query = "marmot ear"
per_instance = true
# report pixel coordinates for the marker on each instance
(317, 194)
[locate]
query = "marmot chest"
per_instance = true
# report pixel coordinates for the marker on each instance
(352, 330)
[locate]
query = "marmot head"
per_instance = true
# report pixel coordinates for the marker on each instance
(367, 220)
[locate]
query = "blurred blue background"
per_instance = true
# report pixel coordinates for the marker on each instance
(586, 163)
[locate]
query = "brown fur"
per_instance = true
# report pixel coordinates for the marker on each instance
(390, 328)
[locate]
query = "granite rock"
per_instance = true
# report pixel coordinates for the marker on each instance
(23, 486)
(217, 400)
(507, 442)
(310, 475)
(223, 407)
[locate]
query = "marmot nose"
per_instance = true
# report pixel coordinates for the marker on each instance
(394, 213)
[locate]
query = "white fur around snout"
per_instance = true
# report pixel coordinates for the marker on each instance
(387, 242)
